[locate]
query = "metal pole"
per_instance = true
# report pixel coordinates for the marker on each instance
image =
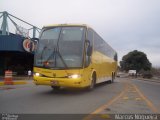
(1, 16)
(4, 23)
(34, 31)
(14, 24)
(24, 21)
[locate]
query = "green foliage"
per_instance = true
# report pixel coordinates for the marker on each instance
(135, 60)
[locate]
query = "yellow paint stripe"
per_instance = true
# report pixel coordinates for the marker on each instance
(1, 83)
(111, 101)
(114, 99)
(149, 103)
(137, 99)
(15, 83)
(19, 82)
(125, 98)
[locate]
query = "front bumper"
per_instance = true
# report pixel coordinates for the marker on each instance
(63, 82)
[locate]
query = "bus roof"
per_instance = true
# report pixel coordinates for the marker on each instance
(55, 25)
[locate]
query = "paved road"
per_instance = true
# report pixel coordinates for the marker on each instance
(137, 97)
(42, 99)
(123, 96)
(151, 90)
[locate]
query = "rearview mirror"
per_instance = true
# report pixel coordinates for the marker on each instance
(89, 50)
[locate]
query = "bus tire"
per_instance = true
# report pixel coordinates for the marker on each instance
(113, 77)
(93, 82)
(55, 87)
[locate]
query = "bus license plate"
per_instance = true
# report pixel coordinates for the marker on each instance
(54, 82)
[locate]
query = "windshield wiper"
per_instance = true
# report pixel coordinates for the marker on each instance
(62, 58)
(43, 52)
(44, 48)
(54, 57)
(55, 53)
(59, 52)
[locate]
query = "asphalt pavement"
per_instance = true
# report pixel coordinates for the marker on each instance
(42, 99)
(123, 96)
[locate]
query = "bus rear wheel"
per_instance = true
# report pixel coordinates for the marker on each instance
(113, 77)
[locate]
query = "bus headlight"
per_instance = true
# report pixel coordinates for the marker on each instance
(37, 74)
(74, 76)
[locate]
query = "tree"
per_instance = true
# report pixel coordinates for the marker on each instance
(135, 60)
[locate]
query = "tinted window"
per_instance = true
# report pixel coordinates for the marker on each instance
(101, 46)
(90, 36)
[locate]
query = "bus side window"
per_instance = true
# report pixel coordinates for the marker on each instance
(115, 57)
(90, 38)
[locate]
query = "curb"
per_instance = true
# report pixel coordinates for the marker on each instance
(15, 83)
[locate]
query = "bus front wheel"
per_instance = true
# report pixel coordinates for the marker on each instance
(93, 82)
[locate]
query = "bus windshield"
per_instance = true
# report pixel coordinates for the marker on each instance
(60, 48)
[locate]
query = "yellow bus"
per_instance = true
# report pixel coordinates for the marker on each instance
(73, 56)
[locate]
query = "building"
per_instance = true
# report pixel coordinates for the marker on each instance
(16, 50)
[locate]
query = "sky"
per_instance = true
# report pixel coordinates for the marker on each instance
(126, 25)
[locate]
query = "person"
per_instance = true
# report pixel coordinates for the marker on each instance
(29, 74)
